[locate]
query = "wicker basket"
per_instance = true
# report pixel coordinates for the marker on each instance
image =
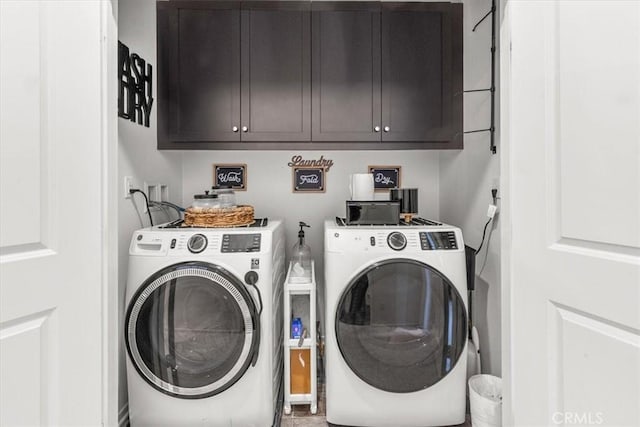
(219, 217)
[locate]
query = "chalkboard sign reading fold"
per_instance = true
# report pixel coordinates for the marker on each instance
(234, 176)
(385, 177)
(308, 180)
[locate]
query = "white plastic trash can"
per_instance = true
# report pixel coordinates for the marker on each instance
(485, 397)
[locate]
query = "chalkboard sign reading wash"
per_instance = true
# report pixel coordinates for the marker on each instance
(308, 180)
(234, 176)
(385, 177)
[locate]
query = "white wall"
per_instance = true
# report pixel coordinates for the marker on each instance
(466, 179)
(137, 153)
(269, 186)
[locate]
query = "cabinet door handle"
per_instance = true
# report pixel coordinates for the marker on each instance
(245, 129)
(235, 128)
(387, 128)
(376, 129)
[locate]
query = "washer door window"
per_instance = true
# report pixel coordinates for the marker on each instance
(192, 330)
(401, 326)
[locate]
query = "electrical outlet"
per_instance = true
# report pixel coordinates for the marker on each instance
(153, 193)
(128, 185)
(164, 193)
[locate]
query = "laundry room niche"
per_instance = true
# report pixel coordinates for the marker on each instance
(454, 185)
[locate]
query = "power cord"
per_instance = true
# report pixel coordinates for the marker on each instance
(484, 232)
(164, 205)
(486, 253)
(146, 201)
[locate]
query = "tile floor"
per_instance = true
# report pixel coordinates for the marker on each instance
(301, 416)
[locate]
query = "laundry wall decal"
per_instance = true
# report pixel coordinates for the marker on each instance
(298, 161)
(135, 97)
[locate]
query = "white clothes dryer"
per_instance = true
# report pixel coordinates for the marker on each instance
(203, 325)
(396, 324)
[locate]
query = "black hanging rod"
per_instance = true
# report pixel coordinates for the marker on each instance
(492, 89)
(479, 130)
(483, 18)
(473, 90)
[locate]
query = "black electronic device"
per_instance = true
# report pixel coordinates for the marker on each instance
(383, 212)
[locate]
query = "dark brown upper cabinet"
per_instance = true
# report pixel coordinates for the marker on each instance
(276, 71)
(198, 72)
(279, 74)
(346, 71)
(422, 92)
(387, 72)
(233, 72)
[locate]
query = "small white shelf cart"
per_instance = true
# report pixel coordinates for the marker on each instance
(300, 301)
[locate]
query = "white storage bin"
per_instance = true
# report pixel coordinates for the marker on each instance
(485, 397)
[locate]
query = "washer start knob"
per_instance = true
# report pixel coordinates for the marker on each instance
(397, 241)
(197, 243)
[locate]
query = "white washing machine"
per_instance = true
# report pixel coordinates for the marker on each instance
(396, 324)
(203, 325)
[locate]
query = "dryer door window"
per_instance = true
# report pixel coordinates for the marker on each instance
(401, 326)
(192, 330)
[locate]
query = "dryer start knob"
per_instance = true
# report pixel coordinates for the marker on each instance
(397, 241)
(197, 243)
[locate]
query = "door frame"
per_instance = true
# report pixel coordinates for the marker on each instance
(109, 212)
(504, 132)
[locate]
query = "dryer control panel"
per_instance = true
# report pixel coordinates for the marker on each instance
(399, 240)
(438, 240)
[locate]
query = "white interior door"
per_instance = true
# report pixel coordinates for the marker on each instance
(51, 213)
(571, 111)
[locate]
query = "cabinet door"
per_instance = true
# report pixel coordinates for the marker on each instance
(276, 71)
(421, 72)
(346, 71)
(198, 72)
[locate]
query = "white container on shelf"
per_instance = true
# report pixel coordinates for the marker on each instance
(300, 376)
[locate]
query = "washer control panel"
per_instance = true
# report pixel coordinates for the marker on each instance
(241, 242)
(438, 240)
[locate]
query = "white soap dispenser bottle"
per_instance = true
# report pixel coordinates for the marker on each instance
(301, 259)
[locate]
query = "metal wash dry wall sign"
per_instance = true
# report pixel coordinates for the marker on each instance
(135, 98)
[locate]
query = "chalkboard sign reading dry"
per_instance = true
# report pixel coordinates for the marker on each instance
(234, 176)
(308, 180)
(385, 177)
